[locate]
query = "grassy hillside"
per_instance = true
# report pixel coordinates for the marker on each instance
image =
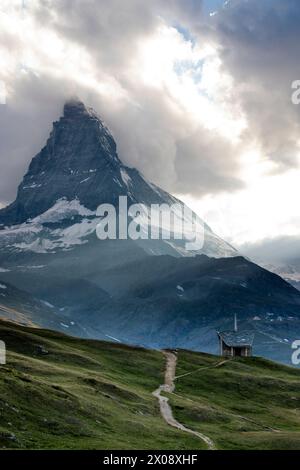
(80, 395)
(59, 392)
(242, 404)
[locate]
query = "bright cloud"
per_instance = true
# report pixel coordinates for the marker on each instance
(266, 208)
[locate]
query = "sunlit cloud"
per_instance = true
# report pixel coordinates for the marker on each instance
(266, 208)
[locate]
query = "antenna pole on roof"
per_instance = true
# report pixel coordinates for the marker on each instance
(235, 323)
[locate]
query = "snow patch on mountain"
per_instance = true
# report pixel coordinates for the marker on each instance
(32, 186)
(47, 304)
(40, 245)
(2, 270)
(75, 234)
(125, 177)
(85, 180)
(61, 239)
(63, 209)
(34, 236)
(41, 266)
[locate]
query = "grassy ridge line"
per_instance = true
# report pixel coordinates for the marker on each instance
(58, 392)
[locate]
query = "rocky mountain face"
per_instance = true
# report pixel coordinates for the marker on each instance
(76, 171)
(79, 161)
(148, 292)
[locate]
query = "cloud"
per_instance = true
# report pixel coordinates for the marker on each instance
(278, 251)
(259, 43)
(111, 31)
(25, 123)
(205, 175)
(184, 95)
(133, 63)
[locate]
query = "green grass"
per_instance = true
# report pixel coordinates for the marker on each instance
(244, 404)
(82, 395)
(95, 395)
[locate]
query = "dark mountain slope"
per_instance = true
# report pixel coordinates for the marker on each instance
(21, 307)
(181, 302)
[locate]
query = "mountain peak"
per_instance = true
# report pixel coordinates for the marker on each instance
(80, 163)
(74, 107)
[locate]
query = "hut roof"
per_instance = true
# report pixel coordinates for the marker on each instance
(236, 339)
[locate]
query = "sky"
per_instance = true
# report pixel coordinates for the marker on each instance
(196, 92)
